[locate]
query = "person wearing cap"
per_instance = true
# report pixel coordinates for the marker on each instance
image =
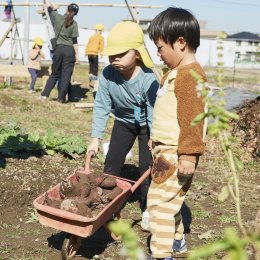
(66, 51)
(129, 85)
(34, 63)
(94, 47)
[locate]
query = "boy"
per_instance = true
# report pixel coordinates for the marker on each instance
(176, 145)
(129, 85)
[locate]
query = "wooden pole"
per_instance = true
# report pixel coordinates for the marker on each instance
(85, 4)
(26, 32)
(130, 11)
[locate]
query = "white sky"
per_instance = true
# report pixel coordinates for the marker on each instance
(231, 16)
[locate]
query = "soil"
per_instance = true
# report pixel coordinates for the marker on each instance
(24, 178)
(247, 128)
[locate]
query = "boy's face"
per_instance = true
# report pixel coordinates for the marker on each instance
(170, 54)
(124, 61)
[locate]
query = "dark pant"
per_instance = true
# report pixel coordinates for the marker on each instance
(93, 64)
(61, 69)
(33, 73)
(122, 139)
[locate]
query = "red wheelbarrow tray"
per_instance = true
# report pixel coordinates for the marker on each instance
(76, 224)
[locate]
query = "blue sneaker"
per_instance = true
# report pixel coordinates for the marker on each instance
(179, 246)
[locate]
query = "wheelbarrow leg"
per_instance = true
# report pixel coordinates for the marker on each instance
(70, 247)
(114, 237)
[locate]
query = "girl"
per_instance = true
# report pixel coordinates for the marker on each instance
(34, 63)
(129, 85)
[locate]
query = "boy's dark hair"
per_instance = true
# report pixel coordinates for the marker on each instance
(173, 23)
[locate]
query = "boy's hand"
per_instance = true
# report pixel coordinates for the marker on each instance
(186, 167)
(93, 146)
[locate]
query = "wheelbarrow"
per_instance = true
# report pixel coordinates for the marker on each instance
(77, 226)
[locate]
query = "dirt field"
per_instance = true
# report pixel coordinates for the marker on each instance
(25, 177)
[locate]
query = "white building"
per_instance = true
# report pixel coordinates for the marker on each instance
(247, 45)
(235, 47)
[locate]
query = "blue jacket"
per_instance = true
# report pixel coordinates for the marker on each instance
(126, 97)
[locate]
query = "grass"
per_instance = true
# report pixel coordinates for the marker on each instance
(234, 77)
(227, 219)
(34, 116)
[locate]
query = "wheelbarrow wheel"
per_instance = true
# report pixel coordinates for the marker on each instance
(112, 234)
(70, 247)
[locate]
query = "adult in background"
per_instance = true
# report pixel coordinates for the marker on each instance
(95, 47)
(65, 53)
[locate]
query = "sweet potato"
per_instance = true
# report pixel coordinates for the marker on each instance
(76, 206)
(51, 202)
(67, 188)
(94, 197)
(111, 195)
(108, 183)
(96, 178)
(85, 190)
(84, 210)
(82, 178)
(69, 205)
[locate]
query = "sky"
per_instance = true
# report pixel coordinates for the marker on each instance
(231, 16)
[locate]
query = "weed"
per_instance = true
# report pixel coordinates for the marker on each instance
(3, 85)
(227, 219)
(200, 185)
(200, 214)
(31, 216)
(25, 108)
(132, 208)
(232, 243)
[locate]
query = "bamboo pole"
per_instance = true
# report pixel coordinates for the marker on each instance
(130, 11)
(85, 4)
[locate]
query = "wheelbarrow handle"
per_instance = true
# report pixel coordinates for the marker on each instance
(90, 155)
(141, 179)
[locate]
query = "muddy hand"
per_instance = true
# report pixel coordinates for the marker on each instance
(93, 146)
(90, 155)
(186, 167)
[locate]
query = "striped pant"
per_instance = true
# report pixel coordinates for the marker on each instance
(164, 202)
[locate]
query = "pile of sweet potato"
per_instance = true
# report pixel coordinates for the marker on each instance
(86, 194)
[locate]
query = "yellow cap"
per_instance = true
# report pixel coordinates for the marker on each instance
(99, 27)
(37, 41)
(125, 36)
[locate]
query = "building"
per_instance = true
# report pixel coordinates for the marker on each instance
(247, 46)
(239, 50)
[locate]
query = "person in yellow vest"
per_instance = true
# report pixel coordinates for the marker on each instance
(34, 63)
(95, 47)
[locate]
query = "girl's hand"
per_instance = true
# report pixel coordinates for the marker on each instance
(150, 144)
(186, 167)
(94, 145)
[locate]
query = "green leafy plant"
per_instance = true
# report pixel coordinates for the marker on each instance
(232, 243)
(130, 240)
(14, 141)
(31, 216)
